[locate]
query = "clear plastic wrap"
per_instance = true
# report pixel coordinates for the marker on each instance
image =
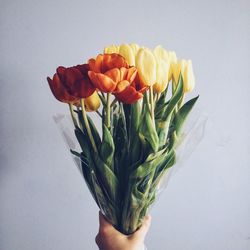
(191, 136)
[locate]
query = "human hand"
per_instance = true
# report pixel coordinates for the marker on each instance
(108, 238)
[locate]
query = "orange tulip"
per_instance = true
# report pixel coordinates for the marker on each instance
(133, 92)
(110, 73)
(114, 80)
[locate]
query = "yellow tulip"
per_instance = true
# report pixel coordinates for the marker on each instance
(111, 49)
(135, 47)
(168, 56)
(178, 68)
(162, 69)
(128, 53)
(92, 103)
(146, 65)
(184, 68)
(172, 61)
(188, 77)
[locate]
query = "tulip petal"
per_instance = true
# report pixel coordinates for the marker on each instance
(102, 82)
(146, 66)
(114, 74)
(111, 61)
(92, 103)
(127, 52)
(129, 95)
(131, 74)
(96, 64)
(121, 86)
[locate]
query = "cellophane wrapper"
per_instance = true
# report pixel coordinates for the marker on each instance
(191, 136)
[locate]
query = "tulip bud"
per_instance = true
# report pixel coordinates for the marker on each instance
(162, 70)
(127, 52)
(135, 47)
(111, 49)
(188, 77)
(178, 68)
(173, 60)
(172, 57)
(92, 103)
(146, 65)
(161, 53)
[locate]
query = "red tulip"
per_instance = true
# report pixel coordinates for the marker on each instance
(59, 91)
(71, 84)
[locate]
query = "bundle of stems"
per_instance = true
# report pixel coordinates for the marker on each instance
(124, 165)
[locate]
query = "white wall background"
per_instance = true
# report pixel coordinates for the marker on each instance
(44, 203)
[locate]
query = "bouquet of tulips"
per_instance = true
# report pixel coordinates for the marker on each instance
(138, 94)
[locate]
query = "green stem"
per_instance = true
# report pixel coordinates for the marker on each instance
(86, 122)
(72, 114)
(113, 102)
(152, 104)
(181, 101)
(107, 117)
(79, 110)
(102, 99)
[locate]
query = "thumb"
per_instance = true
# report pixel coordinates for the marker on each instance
(104, 224)
(142, 231)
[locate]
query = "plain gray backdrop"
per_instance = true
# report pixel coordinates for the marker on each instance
(44, 202)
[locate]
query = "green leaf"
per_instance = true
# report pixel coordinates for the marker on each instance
(148, 132)
(174, 99)
(182, 114)
(103, 201)
(107, 147)
(95, 132)
(148, 165)
(135, 142)
(107, 178)
(163, 123)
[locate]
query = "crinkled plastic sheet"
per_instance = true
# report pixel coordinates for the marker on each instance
(193, 132)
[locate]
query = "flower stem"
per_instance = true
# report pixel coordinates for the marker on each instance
(86, 122)
(72, 114)
(113, 102)
(79, 110)
(102, 99)
(152, 104)
(107, 117)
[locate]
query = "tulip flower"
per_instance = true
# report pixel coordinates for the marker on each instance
(146, 65)
(135, 47)
(128, 53)
(172, 61)
(178, 69)
(161, 53)
(71, 84)
(185, 68)
(75, 79)
(92, 103)
(110, 73)
(114, 80)
(59, 90)
(132, 92)
(162, 70)
(188, 77)
(167, 56)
